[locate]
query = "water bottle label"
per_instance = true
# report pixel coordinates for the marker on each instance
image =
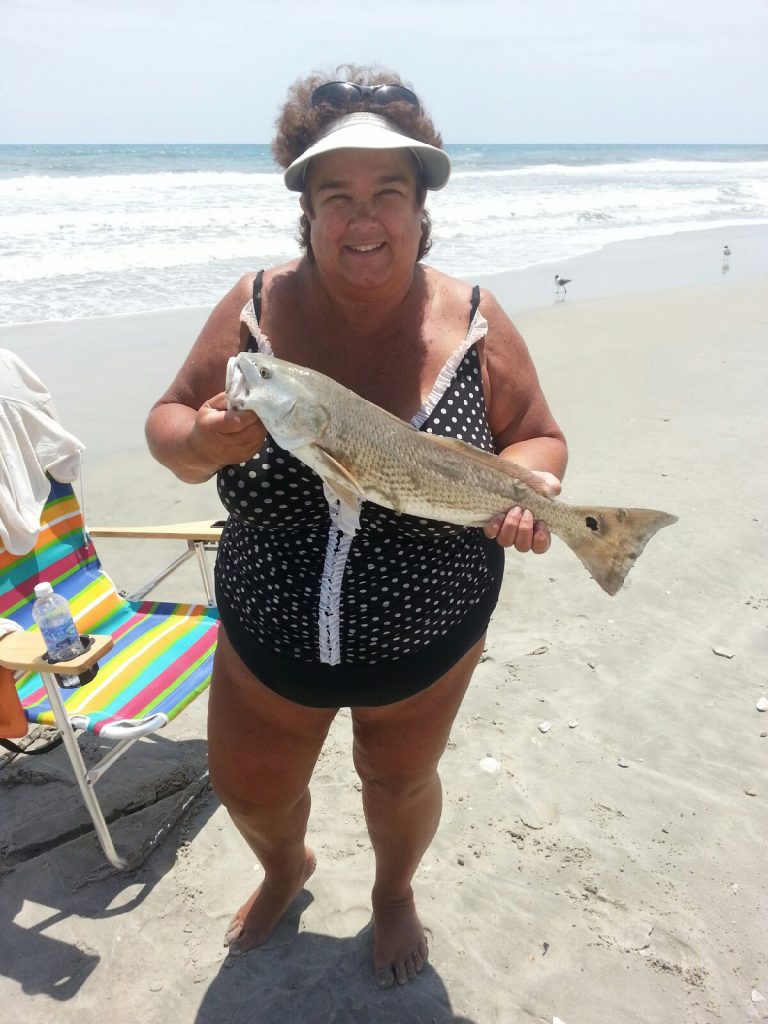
(61, 638)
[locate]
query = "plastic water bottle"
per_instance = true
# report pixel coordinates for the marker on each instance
(54, 619)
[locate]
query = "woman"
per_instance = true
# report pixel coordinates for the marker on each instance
(387, 617)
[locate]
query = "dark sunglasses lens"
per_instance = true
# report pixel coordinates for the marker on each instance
(336, 94)
(341, 94)
(394, 94)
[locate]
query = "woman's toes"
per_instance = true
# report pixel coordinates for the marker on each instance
(234, 928)
(385, 978)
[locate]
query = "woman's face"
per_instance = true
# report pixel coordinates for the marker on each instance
(365, 223)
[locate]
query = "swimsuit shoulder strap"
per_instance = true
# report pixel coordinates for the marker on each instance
(253, 324)
(258, 281)
(474, 303)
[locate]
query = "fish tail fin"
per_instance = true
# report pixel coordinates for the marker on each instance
(612, 540)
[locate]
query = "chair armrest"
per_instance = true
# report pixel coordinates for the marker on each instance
(24, 651)
(200, 531)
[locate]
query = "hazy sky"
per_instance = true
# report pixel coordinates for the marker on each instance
(487, 70)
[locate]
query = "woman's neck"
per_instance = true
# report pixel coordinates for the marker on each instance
(362, 311)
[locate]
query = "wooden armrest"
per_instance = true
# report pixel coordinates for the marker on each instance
(205, 530)
(25, 651)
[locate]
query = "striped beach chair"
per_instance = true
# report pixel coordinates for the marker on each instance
(156, 656)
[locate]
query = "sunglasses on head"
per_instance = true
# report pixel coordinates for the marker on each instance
(342, 94)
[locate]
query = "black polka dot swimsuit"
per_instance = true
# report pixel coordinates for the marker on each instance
(333, 615)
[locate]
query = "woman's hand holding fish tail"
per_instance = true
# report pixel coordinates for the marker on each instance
(523, 428)
(517, 528)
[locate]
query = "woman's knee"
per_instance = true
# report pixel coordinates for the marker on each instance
(397, 776)
(262, 748)
(257, 793)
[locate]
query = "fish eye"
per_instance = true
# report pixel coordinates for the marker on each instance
(264, 372)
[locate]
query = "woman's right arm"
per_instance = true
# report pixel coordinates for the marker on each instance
(189, 429)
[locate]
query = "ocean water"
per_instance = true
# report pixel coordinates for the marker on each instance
(100, 230)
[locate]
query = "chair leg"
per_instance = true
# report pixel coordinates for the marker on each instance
(199, 547)
(78, 767)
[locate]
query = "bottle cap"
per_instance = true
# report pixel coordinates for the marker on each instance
(43, 590)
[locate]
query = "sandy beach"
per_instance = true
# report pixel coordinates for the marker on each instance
(609, 870)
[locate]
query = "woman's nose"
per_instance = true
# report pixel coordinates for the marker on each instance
(363, 209)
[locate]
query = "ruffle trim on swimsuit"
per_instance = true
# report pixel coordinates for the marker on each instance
(329, 617)
(248, 317)
(477, 330)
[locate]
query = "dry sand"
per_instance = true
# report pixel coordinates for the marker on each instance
(608, 871)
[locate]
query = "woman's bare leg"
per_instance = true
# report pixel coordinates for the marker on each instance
(397, 749)
(262, 750)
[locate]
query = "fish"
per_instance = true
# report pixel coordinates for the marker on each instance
(364, 453)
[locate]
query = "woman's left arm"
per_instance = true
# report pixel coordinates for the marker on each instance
(523, 428)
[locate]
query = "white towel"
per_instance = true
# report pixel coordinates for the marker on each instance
(32, 443)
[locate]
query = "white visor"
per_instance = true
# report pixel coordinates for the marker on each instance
(371, 131)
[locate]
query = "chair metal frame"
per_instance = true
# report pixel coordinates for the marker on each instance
(25, 652)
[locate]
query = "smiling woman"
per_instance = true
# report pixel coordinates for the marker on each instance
(328, 113)
(323, 607)
(364, 214)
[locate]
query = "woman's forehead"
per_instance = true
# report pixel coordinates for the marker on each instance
(344, 166)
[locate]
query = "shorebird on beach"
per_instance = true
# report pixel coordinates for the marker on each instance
(726, 252)
(561, 282)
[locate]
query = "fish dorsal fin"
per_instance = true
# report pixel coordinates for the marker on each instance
(511, 469)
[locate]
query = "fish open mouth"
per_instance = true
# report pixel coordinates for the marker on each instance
(236, 385)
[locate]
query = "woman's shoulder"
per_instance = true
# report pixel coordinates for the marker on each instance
(284, 274)
(455, 295)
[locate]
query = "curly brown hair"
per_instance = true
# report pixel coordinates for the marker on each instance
(299, 125)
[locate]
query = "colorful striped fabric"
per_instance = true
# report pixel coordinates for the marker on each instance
(162, 654)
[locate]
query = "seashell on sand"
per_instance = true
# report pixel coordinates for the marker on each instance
(723, 652)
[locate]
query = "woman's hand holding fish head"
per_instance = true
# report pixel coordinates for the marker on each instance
(222, 436)
(517, 527)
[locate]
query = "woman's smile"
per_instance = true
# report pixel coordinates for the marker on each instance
(363, 249)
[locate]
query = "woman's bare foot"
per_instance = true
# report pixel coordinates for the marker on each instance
(399, 943)
(256, 919)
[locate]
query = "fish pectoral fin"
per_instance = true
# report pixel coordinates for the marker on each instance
(338, 477)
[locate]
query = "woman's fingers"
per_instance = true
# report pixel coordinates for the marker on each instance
(541, 538)
(519, 530)
(224, 436)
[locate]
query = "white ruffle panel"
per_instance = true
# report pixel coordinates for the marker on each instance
(477, 330)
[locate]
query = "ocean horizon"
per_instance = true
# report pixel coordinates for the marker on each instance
(95, 230)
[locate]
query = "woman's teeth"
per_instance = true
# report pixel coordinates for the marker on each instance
(366, 248)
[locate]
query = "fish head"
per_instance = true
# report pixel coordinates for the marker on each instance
(279, 393)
